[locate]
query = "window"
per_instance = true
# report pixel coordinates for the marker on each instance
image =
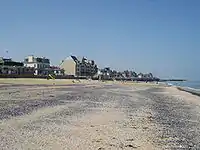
(39, 59)
(46, 61)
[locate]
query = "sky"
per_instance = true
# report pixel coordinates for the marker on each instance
(158, 36)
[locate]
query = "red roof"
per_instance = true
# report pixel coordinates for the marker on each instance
(54, 67)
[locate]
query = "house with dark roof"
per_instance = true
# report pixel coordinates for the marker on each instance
(79, 67)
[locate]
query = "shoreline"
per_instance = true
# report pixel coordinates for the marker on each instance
(6, 82)
(186, 89)
(189, 90)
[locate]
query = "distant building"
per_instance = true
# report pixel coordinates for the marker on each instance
(146, 76)
(41, 64)
(79, 67)
(106, 73)
(56, 71)
(140, 75)
(149, 75)
(10, 67)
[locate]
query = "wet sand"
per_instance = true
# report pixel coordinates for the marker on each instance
(98, 116)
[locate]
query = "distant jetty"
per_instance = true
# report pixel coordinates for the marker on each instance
(178, 80)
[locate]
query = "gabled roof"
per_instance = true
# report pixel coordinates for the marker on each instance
(77, 59)
(71, 57)
(74, 58)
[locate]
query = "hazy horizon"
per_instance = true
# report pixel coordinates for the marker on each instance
(161, 37)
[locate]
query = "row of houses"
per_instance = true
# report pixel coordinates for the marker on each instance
(30, 66)
(40, 66)
(71, 65)
(8, 66)
(107, 73)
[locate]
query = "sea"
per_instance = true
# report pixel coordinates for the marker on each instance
(188, 84)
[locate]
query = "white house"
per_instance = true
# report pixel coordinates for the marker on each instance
(41, 64)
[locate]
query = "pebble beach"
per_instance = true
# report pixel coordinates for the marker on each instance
(97, 116)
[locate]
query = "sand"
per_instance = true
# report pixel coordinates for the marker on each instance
(35, 81)
(98, 116)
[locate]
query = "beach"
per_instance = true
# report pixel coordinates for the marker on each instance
(92, 115)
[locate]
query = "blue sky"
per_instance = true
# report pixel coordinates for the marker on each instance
(158, 36)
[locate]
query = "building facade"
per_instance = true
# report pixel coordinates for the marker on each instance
(41, 64)
(10, 67)
(56, 71)
(79, 67)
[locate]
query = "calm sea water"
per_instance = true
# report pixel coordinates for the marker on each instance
(191, 84)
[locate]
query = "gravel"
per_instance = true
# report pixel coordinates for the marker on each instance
(179, 121)
(97, 117)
